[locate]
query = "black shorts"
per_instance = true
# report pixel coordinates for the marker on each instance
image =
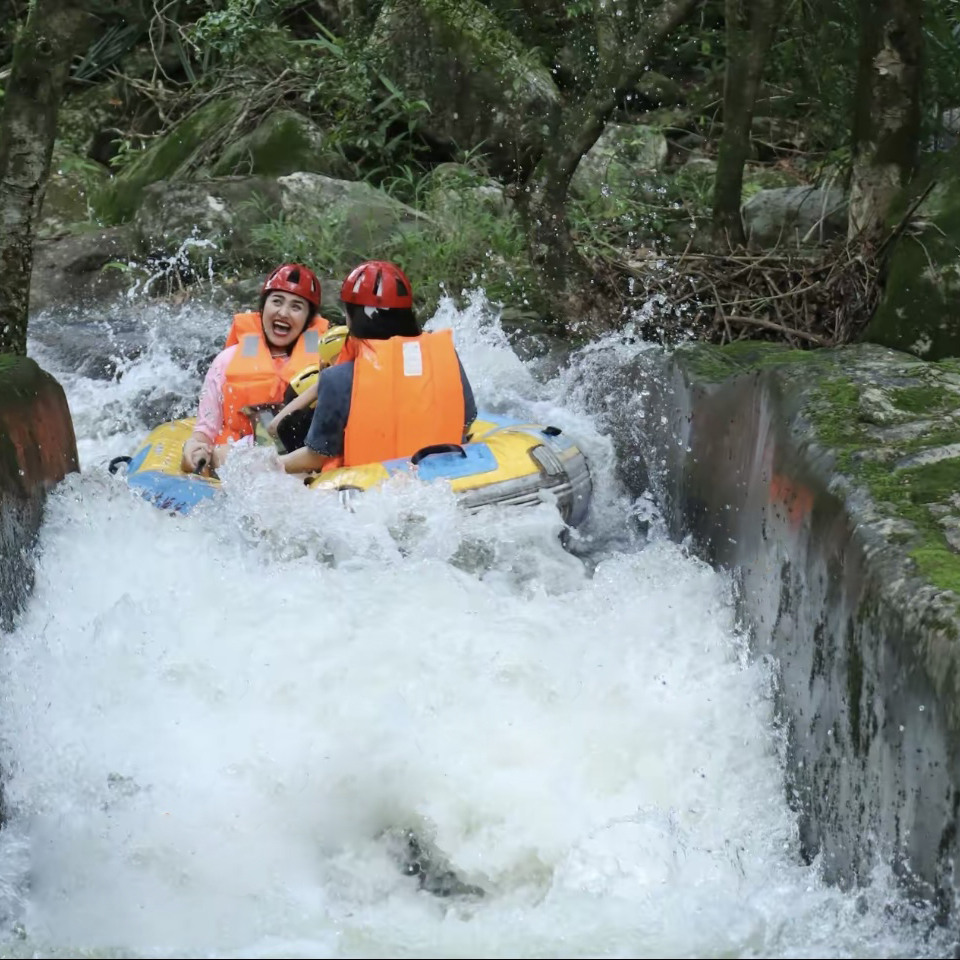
(293, 428)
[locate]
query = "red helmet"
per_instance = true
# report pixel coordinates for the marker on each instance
(377, 283)
(296, 279)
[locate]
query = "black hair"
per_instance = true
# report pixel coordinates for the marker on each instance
(385, 322)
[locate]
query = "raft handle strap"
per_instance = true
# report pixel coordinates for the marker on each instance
(114, 464)
(437, 448)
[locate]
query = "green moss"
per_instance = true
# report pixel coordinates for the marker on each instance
(835, 400)
(19, 377)
(834, 411)
(490, 42)
(903, 494)
(939, 564)
(284, 143)
(174, 154)
(925, 399)
(714, 364)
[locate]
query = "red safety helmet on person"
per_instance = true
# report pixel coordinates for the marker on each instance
(297, 279)
(377, 283)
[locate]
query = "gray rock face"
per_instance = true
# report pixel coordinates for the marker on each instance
(222, 214)
(622, 155)
(364, 216)
(795, 215)
(218, 213)
(83, 268)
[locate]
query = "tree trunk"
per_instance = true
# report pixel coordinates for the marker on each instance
(886, 125)
(750, 26)
(28, 126)
(573, 132)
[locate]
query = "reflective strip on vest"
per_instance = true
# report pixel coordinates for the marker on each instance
(407, 395)
(311, 341)
(251, 345)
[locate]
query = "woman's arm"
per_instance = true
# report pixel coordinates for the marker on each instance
(299, 403)
(303, 460)
(209, 423)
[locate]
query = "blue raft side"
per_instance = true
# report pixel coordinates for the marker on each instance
(448, 466)
(180, 492)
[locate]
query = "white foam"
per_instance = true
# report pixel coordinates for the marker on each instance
(209, 722)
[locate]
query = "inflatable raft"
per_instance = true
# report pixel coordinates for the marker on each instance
(505, 461)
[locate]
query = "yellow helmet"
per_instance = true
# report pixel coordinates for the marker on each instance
(331, 343)
(307, 377)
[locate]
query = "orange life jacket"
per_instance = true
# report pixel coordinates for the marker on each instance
(407, 394)
(254, 377)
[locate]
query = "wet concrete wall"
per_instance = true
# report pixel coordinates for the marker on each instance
(742, 457)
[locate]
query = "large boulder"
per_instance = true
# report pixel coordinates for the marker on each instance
(82, 268)
(454, 190)
(623, 157)
(364, 217)
(283, 142)
(252, 221)
(484, 89)
(170, 157)
(37, 450)
(920, 309)
(795, 215)
(212, 217)
(67, 197)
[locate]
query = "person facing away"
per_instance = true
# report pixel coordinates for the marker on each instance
(263, 352)
(394, 389)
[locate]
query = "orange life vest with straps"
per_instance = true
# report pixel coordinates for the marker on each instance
(254, 377)
(407, 394)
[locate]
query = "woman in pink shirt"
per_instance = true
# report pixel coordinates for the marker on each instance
(288, 304)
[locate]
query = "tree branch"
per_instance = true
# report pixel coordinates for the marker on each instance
(584, 122)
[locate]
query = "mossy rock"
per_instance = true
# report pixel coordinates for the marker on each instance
(757, 178)
(454, 191)
(620, 162)
(180, 150)
(920, 310)
(72, 184)
(84, 114)
(37, 450)
(658, 90)
(285, 142)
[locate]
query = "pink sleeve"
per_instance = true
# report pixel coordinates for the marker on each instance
(210, 413)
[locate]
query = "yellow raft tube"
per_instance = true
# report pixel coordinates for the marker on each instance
(504, 461)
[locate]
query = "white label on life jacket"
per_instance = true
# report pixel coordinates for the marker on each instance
(412, 360)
